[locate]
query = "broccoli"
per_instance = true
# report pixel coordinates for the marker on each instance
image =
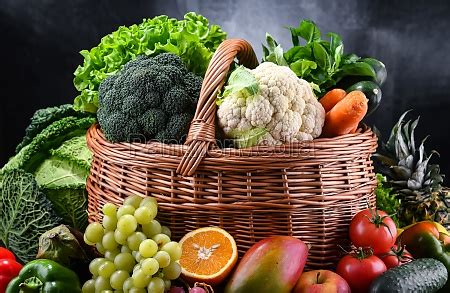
(154, 97)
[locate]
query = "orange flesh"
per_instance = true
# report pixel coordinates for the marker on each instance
(206, 253)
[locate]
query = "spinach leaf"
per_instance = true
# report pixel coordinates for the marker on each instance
(320, 62)
(307, 30)
(358, 68)
(302, 67)
(273, 52)
(321, 56)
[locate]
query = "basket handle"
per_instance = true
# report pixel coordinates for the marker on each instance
(202, 130)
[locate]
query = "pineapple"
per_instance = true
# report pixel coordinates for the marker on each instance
(417, 183)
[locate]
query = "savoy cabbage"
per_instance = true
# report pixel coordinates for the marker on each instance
(25, 213)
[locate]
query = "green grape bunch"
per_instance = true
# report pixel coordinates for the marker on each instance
(138, 254)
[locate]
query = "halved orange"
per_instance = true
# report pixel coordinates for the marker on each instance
(208, 255)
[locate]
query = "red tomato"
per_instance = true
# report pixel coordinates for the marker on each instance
(360, 270)
(375, 229)
(396, 257)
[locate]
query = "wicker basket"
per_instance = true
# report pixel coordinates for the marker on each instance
(309, 190)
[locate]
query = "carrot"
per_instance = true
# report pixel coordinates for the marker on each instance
(331, 98)
(345, 116)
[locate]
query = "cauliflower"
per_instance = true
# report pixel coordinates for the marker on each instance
(269, 105)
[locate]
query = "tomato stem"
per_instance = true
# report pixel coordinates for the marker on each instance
(378, 220)
(363, 252)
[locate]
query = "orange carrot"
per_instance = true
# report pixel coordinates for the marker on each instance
(331, 98)
(346, 115)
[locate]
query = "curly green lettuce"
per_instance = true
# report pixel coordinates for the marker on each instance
(191, 38)
(386, 199)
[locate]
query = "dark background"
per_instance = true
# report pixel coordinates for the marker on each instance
(40, 41)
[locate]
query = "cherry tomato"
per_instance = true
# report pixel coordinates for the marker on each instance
(375, 229)
(360, 269)
(396, 257)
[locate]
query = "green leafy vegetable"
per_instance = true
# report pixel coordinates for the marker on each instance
(320, 62)
(33, 154)
(241, 80)
(25, 213)
(59, 158)
(151, 97)
(386, 199)
(43, 118)
(62, 177)
(192, 38)
(75, 150)
(248, 138)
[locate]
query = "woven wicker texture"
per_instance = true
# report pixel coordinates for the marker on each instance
(308, 190)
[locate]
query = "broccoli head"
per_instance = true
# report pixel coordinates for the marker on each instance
(154, 97)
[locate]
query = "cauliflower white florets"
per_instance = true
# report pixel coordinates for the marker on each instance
(284, 107)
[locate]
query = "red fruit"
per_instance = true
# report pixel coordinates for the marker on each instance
(271, 265)
(197, 290)
(6, 254)
(396, 257)
(321, 281)
(9, 269)
(374, 229)
(360, 269)
(176, 290)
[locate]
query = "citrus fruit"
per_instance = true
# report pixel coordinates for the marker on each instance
(208, 255)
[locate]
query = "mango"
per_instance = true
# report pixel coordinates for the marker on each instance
(272, 265)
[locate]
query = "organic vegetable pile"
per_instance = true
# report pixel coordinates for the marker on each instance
(144, 81)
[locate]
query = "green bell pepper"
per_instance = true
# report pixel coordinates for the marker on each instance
(44, 276)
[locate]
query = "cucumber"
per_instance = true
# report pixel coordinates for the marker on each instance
(421, 275)
(379, 68)
(371, 90)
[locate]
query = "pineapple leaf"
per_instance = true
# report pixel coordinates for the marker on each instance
(401, 172)
(412, 140)
(390, 144)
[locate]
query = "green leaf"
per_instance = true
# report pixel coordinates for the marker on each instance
(336, 50)
(248, 138)
(335, 41)
(25, 213)
(358, 68)
(315, 87)
(55, 173)
(307, 30)
(338, 57)
(303, 67)
(71, 205)
(241, 81)
(350, 59)
(75, 150)
(322, 58)
(33, 154)
(387, 201)
(296, 53)
(62, 177)
(273, 52)
(294, 36)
